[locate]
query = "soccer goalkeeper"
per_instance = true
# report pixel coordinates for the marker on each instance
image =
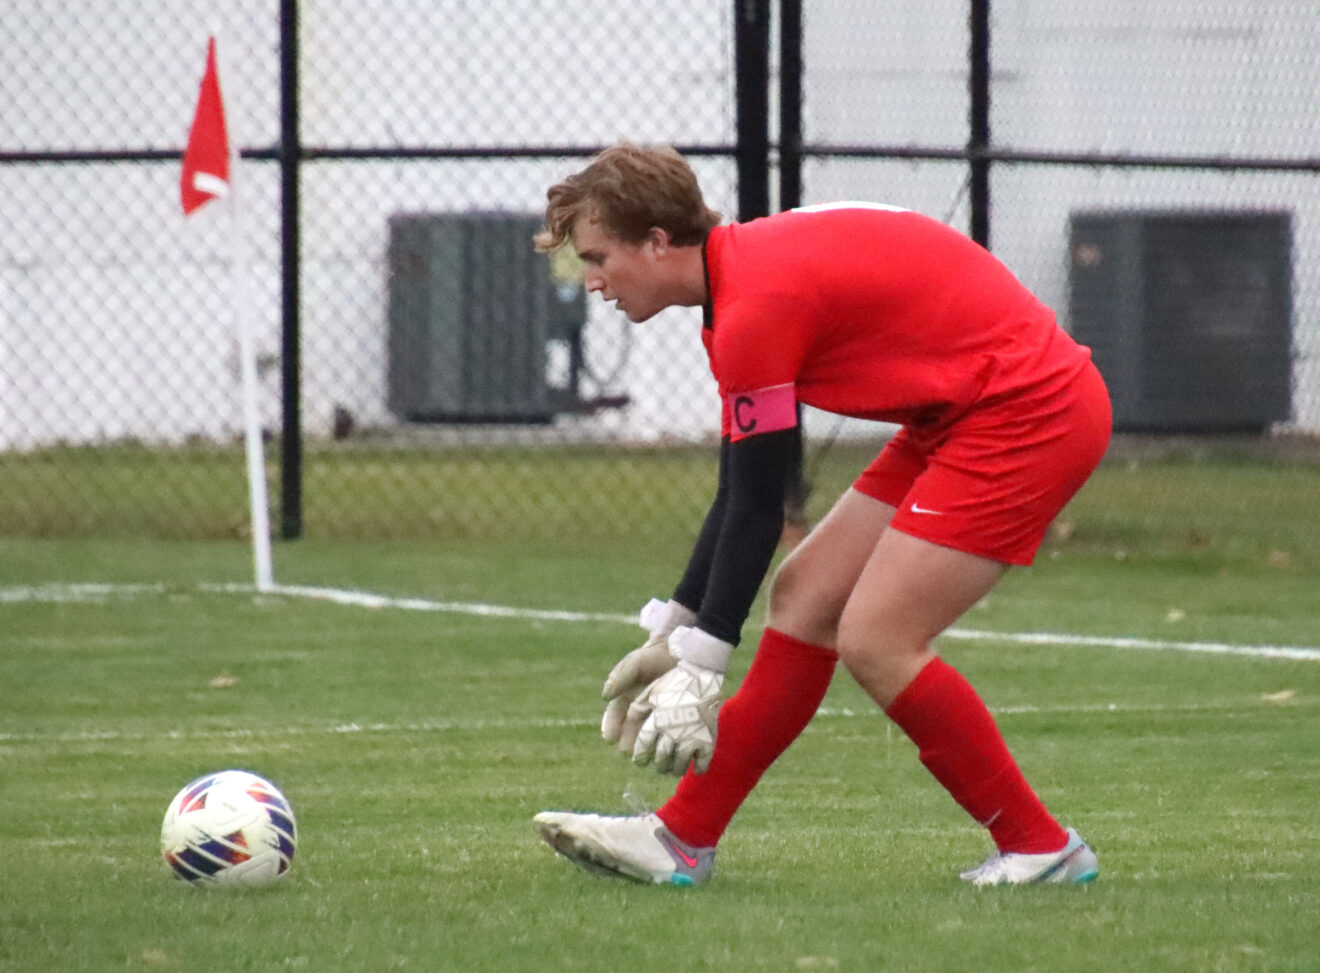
(861, 310)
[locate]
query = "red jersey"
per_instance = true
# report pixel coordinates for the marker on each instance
(872, 312)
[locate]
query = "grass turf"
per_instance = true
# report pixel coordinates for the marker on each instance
(416, 746)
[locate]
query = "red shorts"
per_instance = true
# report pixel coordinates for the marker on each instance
(992, 483)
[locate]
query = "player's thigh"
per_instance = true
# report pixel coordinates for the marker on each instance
(908, 592)
(815, 581)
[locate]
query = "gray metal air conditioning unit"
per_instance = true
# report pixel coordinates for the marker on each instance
(471, 309)
(1188, 315)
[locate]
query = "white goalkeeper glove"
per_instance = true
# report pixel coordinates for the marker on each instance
(638, 669)
(680, 709)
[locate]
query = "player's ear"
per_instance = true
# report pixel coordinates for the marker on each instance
(658, 240)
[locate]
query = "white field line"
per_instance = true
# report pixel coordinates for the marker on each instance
(368, 600)
(364, 599)
(284, 732)
(75, 592)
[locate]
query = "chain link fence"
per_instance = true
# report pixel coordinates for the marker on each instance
(440, 379)
(1172, 135)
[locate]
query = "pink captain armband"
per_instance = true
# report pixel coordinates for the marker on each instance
(762, 410)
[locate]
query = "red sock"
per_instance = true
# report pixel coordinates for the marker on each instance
(777, 699)
(959, 743)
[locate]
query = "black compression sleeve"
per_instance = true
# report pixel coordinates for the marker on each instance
(755, 470)
(691, 590)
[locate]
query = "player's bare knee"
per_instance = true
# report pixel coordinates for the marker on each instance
(882, 662)
(860, 649)
(783, 592)
(798, 609)
(868, 666)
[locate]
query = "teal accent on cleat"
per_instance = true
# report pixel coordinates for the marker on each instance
(1074, 864)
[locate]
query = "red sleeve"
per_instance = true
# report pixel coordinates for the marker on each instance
(756, 354)
(760, 341)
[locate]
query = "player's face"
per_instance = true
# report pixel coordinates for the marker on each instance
(626, 273)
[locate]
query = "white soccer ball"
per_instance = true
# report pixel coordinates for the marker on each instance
(231, 828)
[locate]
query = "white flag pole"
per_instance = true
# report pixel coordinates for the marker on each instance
(247, 353)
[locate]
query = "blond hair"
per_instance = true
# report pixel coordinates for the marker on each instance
(630, 189)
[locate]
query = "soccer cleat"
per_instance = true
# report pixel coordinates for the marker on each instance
(639, 848)
(1075, 864)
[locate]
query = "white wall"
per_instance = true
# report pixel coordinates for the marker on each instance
(114, 321)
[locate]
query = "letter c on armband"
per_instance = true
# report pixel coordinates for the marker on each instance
(742, 414)
(761, 410)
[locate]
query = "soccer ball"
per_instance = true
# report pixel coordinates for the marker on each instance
(232, 828)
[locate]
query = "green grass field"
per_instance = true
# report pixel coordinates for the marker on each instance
(417, 745)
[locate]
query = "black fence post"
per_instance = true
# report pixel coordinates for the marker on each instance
(790, 196)
(291, 446)
(751, 41)
(978, 142)
(790, 103)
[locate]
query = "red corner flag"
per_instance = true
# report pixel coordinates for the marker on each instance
(206, 160)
